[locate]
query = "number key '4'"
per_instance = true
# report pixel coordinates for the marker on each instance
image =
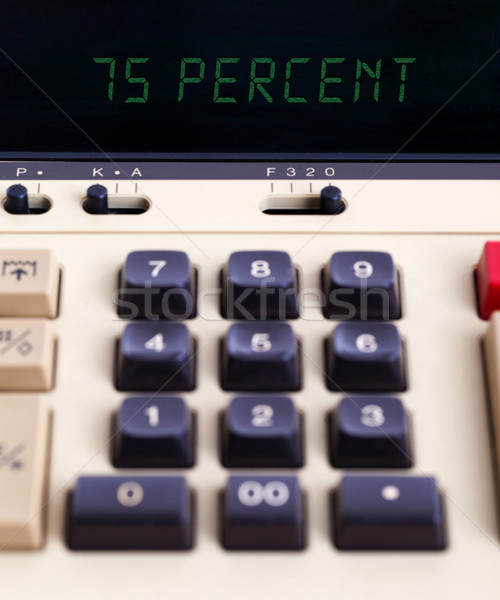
(156, 357)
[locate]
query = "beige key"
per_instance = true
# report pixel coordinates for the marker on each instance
(492, 356)
(29, 283)
(27, 353)
(24, 446)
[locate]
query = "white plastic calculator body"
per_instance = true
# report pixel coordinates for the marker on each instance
(434, 228)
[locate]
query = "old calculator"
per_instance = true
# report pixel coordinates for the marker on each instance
(249, 283)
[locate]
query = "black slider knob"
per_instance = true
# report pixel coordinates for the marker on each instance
(96, 202)
(16, 201)
(331, 202)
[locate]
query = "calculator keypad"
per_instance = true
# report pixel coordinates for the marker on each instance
(263, 429)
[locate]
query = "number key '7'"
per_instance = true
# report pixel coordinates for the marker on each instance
(158, 266)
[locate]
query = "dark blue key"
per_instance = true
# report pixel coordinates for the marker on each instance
(157, 285)
(260, 357)
(263, 513)
(153, 432)
(365, 357)
(155, 357)
(362, 285)
(260, 285)
(262, 431)
(388, 513)
(370, 432)
(130, 513)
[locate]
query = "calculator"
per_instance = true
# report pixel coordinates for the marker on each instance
(249, 299)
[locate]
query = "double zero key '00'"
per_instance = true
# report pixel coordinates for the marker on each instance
(263, 513)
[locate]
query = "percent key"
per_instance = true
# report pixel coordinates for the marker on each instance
(24, 443)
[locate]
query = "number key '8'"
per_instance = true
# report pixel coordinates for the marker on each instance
(259, 285)
(260, 268)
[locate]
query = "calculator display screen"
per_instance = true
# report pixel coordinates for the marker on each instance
(251, 76)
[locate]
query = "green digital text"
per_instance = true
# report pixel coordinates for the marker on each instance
(219, 80)
(258, 80)
(288, 75)
(326, 80)
(196, 79)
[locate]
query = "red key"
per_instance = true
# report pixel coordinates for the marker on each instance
(488, 279)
